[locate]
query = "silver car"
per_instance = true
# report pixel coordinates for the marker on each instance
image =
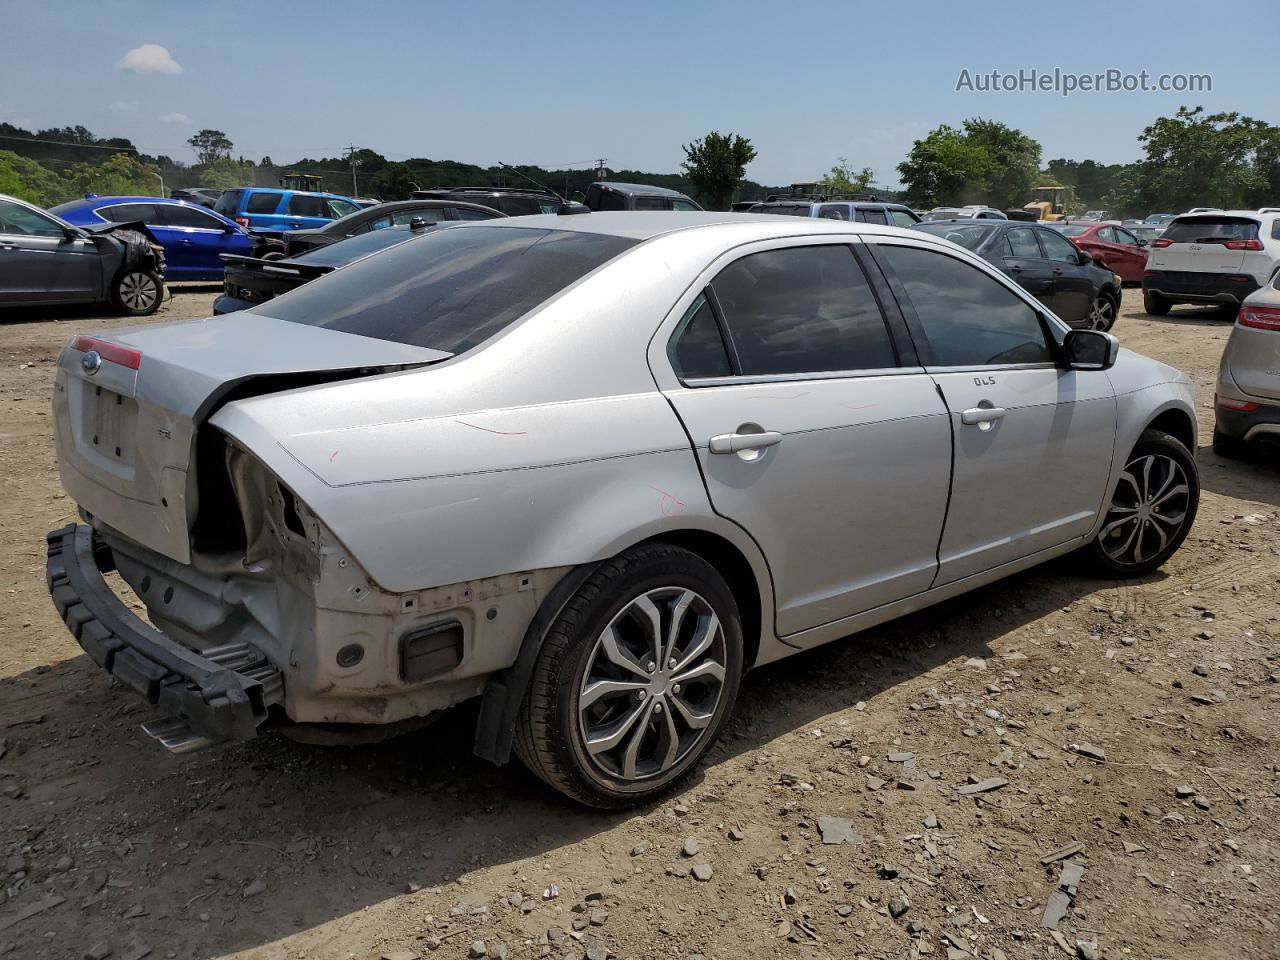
(589, 470)
(1247, 400)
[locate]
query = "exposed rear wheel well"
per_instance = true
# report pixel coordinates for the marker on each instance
(737, 572)
(1177, 424)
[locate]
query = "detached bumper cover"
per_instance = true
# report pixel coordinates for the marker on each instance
(214, 699)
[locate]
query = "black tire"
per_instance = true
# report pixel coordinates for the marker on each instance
(549, 738)
(137, 293)
(1155, 304)
(1232, 448)
(1229, 312)
(273, 255)
(1154, 530)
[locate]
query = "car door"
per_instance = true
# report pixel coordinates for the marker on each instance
(815, 429)
(1025, 262)
(41, 263)
(1131, 256)
(1033, 441)
(200, 240)
(1073, 283)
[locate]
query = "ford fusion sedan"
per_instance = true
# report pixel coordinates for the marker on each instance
(587, 470)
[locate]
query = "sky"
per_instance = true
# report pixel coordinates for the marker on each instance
(562, 84)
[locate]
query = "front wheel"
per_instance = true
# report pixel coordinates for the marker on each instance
(137, 293)
(1102, 315)
(1151, 511)
(634, 680)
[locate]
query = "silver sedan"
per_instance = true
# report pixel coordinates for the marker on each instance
(589, 470)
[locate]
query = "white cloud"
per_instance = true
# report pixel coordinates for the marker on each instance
(126, 106)
(149, 58)
(175, 117)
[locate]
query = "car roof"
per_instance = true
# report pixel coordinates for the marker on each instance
(1248, 214)
(643, 188)
(646, 225)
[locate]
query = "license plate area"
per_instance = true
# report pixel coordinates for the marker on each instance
(110, 425)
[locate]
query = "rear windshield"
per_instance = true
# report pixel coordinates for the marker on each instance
(1211, 230)
(968, 235)
(450, 289)
(361, 245)
(228, 203)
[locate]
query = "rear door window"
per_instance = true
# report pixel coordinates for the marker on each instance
(1107, 235)
(679, 204)
(1057, 247)
(903, 219)
(802, 310)
(174, 215)
(1211, 230)
(301, 205)
(872, 216)
(470, 213)
(652, 203)
(697, 349)
(262, 203)
(1022, 244)
(446, 289)
(833, 211)
(969, 318)
(427, 214)
(124, 212)
(519, 206)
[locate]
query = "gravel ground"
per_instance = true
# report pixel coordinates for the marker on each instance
(273, 850)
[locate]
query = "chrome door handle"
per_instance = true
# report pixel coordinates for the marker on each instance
(738, 442)
(976, 415)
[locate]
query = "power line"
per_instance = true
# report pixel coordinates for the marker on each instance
(71, 143)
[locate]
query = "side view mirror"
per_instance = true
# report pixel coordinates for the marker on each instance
(1085, 259)
(417, 223)
(230, 228)
(1090, 350)
(73, 233)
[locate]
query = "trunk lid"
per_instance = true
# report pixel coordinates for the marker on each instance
(127, 407)
(1199, 244)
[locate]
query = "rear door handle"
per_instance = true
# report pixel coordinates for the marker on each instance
(978, 415)
(737, 442)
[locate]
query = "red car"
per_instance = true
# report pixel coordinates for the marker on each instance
(1111, 245)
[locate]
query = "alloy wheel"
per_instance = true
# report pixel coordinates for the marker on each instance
(653, 684)
(1148, 510)
(1102, 315)
(138, 291)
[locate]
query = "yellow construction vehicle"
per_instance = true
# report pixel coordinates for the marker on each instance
(1048, 203)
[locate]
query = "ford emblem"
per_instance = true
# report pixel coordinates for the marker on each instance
(91, 362)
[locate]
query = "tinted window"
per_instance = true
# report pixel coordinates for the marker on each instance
(612, 200)
(262, 203)
(428, 215)
(229, 202)
(969, 318)
(969, 235)
(652, 203)
(1211, 230)
(380, 224)
(301, 205)
(1056, 247)
(447, 289)
(1125, 238)
(1022, 244)
(173, 215)
(903, 219)
(684, 205)
(833, 211)
(802, 310)
(519, 206)
(18, 221)
(872, 216)
(469, 213)
(697, 349)
(1106, 235)
(341, 208)
(124, 212)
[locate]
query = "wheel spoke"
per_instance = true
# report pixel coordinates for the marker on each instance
(1129, 478)
(1145, 489)
(612, 735)
(608, 688)
(1173, 521)
(1180, 490)
(694, 720)
(650, 618)
(704, 635)
(708, 669)
(1160, 534)
(678, 611)
(672, 740)
(613, 650)
(1115, 525)
(632, 753)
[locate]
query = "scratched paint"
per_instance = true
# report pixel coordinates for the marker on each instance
(501, 433)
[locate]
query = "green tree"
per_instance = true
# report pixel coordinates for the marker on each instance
(844, 179)
(1014, 161)
(717, 164)
(946, 167)
(26, 179)
(122, 175)
(210, 145)
(225, 173)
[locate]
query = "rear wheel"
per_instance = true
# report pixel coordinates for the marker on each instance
(137, 292)
(634, 680)
(1102, 316)
(1155, 304)
(1229, 311)
(1152, 509)
(1232, 448)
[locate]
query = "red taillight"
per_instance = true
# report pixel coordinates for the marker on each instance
(1162, 242)
(125, 356)
(1243, 405)
(1243, 244)
(243, 221)
(1260, 318)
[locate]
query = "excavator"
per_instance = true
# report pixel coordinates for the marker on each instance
(1048, 203)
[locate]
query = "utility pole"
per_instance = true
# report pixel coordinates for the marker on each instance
(600, 168)
(355, 162)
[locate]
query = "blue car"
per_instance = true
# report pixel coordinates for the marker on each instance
(270, 211)
(193, 237)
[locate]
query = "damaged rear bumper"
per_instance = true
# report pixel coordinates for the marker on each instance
(223, 693)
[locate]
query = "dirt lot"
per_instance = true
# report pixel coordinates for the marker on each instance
(274, 850)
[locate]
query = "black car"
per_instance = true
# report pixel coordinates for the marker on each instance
(611, 195)
(205, 196)
(1046, 264)
(44, 260)
(249, 281)
(382, 216)
(513, 201)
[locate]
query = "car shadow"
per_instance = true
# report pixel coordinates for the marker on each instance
(331, 831)
(1184, 316)
(1253, 479)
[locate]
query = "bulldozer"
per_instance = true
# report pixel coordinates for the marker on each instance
(1048, 203)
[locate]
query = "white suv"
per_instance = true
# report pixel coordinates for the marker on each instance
(1219, 257)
